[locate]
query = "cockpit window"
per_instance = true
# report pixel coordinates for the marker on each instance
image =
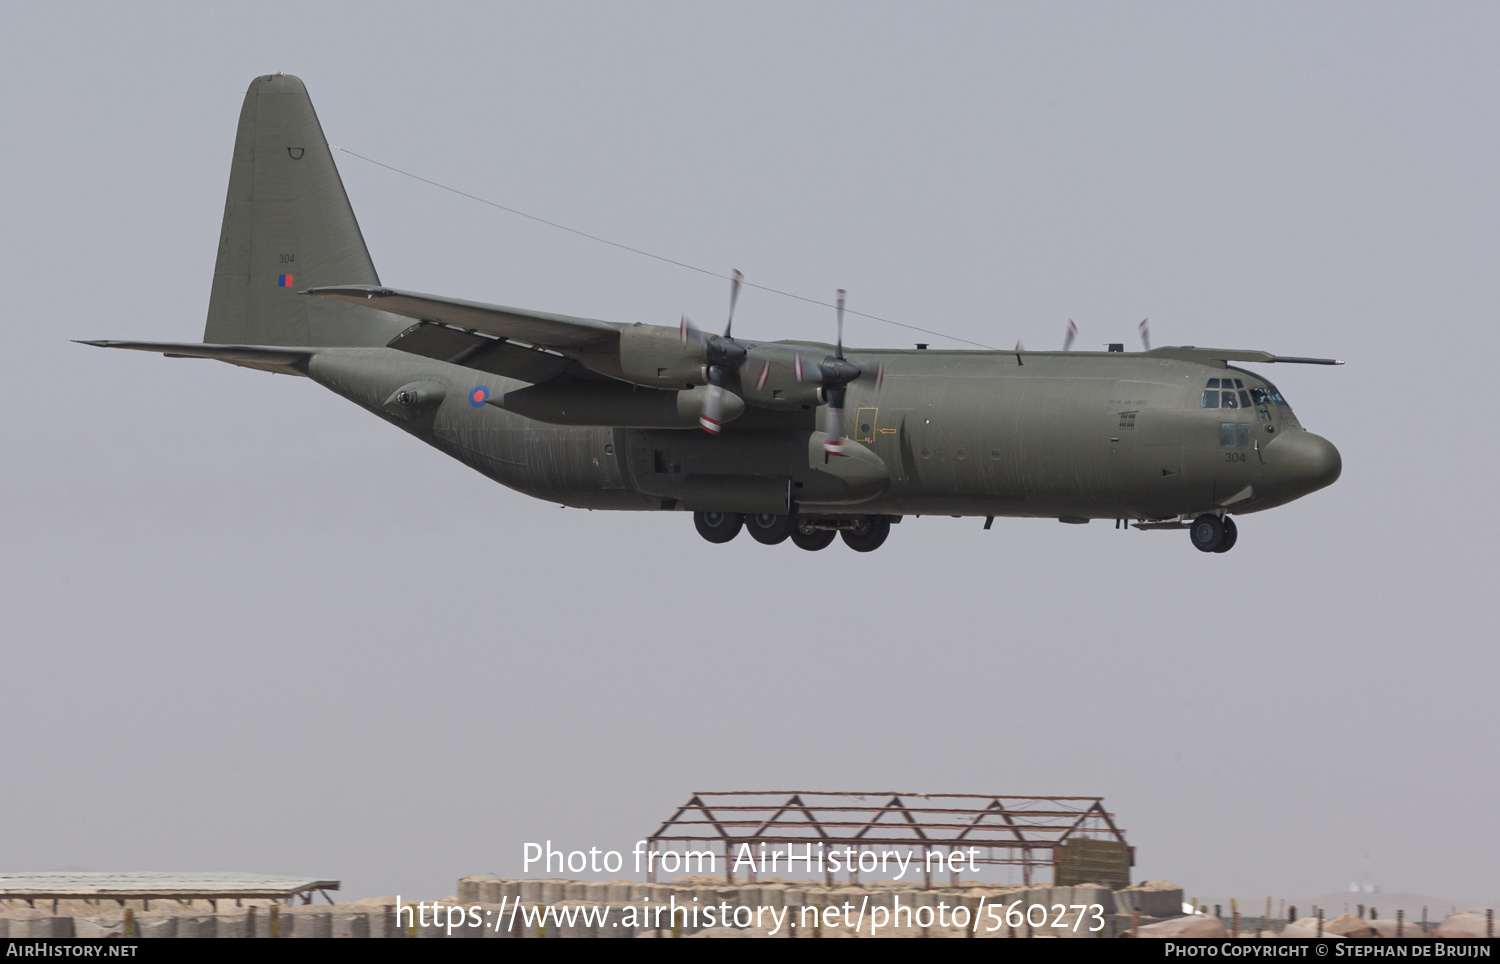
(1231, 393)
(1267, 395)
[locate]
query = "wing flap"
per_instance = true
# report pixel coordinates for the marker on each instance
(533, 327)
(485, 353)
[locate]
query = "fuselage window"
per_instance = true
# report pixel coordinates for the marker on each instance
(1244, 439)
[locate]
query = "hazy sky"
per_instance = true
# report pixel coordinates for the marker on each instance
(248, 626)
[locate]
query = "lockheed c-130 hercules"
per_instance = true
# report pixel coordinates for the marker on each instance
(790, 440)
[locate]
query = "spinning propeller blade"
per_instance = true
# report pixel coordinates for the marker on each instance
(837, 374)
(723, 355)
(834, 444)
(734, 295)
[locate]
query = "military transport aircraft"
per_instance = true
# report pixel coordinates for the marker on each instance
(786, 439)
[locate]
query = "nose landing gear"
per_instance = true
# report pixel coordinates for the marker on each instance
(1211, 533)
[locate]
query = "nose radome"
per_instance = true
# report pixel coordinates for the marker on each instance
(1308, 460)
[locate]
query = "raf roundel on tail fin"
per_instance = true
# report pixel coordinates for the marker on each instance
(288, 222)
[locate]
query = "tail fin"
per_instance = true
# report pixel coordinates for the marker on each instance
(288, 226)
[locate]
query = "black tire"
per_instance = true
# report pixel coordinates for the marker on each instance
(718, 527)
(768, 530)
(804, 536)
(1231, 533)
(868, 534)
(1207, 533)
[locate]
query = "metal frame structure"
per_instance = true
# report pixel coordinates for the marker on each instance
(1028, 832)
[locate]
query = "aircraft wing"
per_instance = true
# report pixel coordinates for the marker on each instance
(532, 327)
(286, 361)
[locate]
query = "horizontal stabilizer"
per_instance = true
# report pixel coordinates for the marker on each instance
(285, 361)
(532, 327)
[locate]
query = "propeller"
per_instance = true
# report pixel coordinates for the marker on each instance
(834, 373)
(837, 373)
(723, 357)
(1068, 338)
(734, 296)
(1145, 331)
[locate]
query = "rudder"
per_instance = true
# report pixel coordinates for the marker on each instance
(288, 226)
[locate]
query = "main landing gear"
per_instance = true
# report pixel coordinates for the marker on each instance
(718, 527)
(1211, 533)
(866, 534)
(807, 536)
(861, 533)
(769, 530)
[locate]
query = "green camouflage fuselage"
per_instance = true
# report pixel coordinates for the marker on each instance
(1086, 436)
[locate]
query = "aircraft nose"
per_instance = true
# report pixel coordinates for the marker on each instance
(1308, 461)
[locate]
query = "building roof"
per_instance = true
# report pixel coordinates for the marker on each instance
(136, 885)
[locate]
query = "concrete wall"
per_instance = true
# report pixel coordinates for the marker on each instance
(501, 907)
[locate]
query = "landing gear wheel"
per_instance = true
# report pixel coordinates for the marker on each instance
(1208, 533)
(718, 527)
(867, 535)
(1231, 533)
(767, 529)
(804, 536)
